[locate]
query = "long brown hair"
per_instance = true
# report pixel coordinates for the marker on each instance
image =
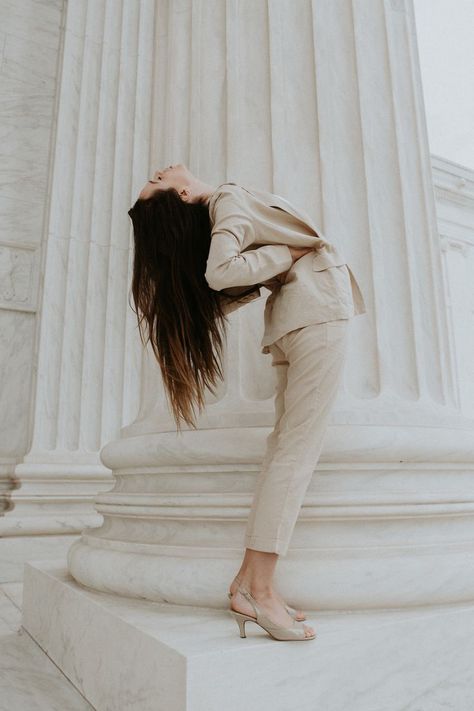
(177, 311)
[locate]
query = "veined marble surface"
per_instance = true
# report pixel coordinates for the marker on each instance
(29, 680)
(29, 41)
(417, 659)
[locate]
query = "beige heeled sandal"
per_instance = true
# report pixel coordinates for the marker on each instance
(290, 610)
(278, 632)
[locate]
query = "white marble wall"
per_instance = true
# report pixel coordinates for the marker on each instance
(30, 41)
(454, 195)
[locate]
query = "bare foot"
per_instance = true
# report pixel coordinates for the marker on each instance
(300, 616)
(270, 604)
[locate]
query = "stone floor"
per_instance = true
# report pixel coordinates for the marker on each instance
(29, 680)
(357, 667)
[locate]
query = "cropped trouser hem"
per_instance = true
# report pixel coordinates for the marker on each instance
(266, 545)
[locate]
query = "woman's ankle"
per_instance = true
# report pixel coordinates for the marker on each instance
(255, 586)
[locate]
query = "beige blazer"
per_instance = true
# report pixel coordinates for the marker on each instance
(251, 232)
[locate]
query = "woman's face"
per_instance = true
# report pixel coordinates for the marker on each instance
(174, 176)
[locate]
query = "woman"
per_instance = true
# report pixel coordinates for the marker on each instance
(201, 252)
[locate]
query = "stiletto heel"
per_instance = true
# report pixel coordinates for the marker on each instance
(276, 631)
(241, 620)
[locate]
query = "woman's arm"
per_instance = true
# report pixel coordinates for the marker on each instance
(230, 302)
(296, 253)
(228, 264)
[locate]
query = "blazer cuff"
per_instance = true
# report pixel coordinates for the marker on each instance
(286, 256)
(251, 266)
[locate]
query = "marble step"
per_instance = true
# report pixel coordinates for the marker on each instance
(29, 680)
(122, 653)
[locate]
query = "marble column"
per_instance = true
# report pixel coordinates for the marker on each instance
(30, 40)
(89, 359)
(320, 102)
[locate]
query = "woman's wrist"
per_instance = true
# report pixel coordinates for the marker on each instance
(297, 252)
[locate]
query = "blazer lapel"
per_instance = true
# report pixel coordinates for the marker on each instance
(272, 200)
(323, 258)
(283, 204)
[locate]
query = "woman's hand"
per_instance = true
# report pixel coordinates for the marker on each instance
(296, 253)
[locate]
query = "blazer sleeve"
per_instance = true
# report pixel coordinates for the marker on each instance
(232, 301)
(230, 263)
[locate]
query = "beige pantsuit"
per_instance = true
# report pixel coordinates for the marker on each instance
(309, 363)
(306, 330)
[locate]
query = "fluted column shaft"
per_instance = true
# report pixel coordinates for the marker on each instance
(89, 358)
(324, 106)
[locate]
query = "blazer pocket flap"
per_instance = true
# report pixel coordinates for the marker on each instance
(324, 259)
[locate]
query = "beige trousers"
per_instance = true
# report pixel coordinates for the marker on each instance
(309, 362)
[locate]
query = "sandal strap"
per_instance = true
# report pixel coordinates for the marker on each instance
(251, 599)
(295, 631)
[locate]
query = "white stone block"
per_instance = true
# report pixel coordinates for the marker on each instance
(126, 654)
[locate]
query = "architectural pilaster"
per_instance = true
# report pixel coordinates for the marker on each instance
(89, 359)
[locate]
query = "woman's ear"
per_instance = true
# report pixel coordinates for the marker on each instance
(185, 194)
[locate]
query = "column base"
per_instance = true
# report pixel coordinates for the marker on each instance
(373, 531)
(48, 494)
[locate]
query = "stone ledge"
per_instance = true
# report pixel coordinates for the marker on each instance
(123, 653)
